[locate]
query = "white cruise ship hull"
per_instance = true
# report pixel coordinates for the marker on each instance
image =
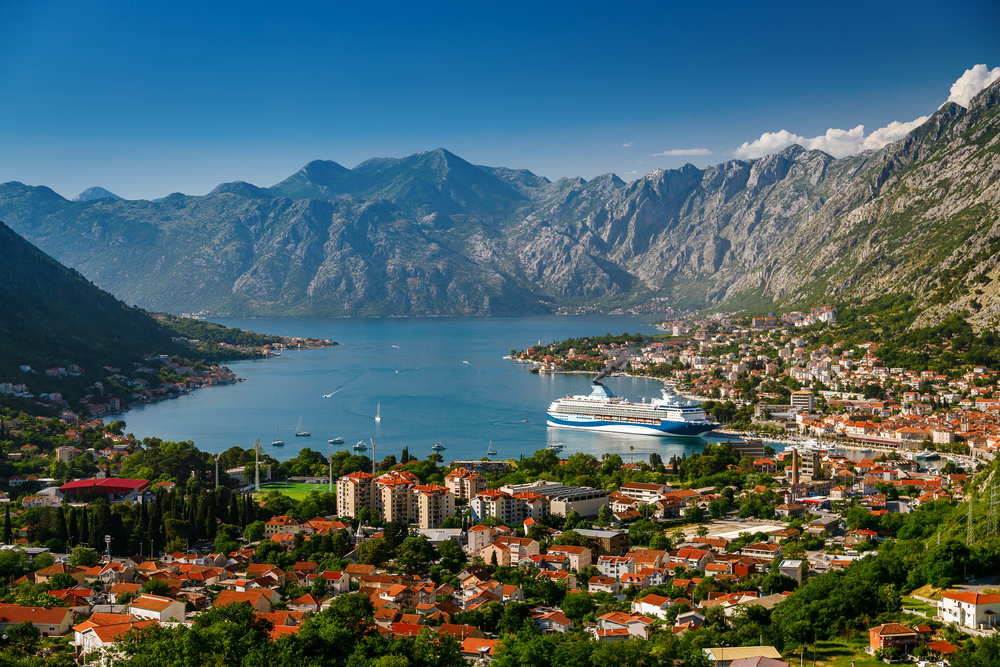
(603, 411)
(669, 429)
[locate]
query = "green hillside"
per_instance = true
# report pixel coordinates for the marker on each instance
(51, 316)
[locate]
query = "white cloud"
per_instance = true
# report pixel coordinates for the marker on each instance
(841, 143)
(683, 151)
(894, 131)
(972, 83)
(629, 173)
(836, 142)
(627, 145)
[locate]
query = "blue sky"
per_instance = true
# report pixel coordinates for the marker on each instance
(149, 98)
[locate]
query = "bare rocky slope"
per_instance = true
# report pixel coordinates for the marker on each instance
(432, 234)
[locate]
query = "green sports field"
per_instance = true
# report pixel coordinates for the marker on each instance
(296, 491)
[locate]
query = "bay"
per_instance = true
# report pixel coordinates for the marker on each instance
(436, 379)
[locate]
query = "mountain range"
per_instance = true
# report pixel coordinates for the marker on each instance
(432, 234)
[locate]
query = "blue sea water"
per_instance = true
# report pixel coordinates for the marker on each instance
(437, 380)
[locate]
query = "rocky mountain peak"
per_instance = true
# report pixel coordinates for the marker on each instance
(90, 194)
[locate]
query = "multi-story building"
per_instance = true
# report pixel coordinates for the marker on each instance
(579, 557)
(393, 497)
(803, 400)
(355, 491)
(531, 505)
(893, 635)
(520, 547)
(496, 504)
(615, 566)
(606, 542)
(465, 484)
(587, 502)
(510, 508)
(644, 492)
(970, 610)
(282, 525)
(432, 504)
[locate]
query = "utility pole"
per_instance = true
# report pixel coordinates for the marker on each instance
(256, 464)
(373, 455)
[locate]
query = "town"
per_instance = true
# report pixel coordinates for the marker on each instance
(793, 376)
(118, 549)
(158, 377)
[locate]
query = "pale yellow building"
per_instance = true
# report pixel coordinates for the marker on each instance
(432, 504)
(355, 491)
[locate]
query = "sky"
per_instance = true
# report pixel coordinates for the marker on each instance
(150, 98)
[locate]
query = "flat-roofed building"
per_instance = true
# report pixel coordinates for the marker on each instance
(803, 400)
(752, 447)
(606, 542)
(587, 502)
(644, 492)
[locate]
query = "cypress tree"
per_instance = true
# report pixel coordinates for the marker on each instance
(154, 527)
(234, 511)
(193, 521)
(6, 526)
(84, 526)
(61, 531)
(119, 543)
(210, 522)
(143, 516)
(72, 526)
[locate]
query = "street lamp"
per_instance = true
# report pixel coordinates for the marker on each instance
(107, 541)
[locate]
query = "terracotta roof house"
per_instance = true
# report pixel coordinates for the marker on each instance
(475, 648)
(259, 599)
(893, 635)
(49, 621)
(157, 608)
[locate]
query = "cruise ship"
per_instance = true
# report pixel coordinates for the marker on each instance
(603, 411)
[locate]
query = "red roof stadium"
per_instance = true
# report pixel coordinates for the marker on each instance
(111, 485)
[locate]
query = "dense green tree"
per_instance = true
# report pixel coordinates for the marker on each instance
(374, 551)
(84, 557)
(254, 532)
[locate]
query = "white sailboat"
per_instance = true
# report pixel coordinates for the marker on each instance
(299, 433)
(378, 412)
(490, 451)
(278, 442)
